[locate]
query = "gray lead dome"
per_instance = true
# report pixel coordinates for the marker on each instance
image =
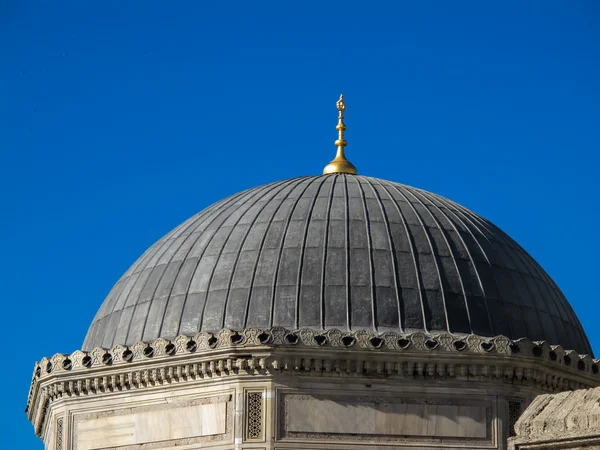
(336, 251)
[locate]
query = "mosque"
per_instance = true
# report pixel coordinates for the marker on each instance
(336, 311)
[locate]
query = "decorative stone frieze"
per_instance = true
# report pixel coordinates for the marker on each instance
(567, 420)
(280, 352)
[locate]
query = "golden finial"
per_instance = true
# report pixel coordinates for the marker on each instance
(340, 164)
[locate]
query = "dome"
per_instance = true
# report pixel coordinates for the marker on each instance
(336, 251)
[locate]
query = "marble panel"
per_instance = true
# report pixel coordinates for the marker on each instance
(150, 424)
(454, 419)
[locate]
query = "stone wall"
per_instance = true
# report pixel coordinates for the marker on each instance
(282, 412)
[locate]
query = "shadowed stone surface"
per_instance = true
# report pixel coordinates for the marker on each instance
(336, 251)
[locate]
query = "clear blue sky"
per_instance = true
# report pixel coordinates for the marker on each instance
(118, 120)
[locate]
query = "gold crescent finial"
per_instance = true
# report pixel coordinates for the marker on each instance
(340, 164)
(341, 106)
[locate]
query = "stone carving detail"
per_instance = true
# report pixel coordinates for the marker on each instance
(205, 355)
(254, 414)
(117, 353)
(567, 420)
(514, 412)
(278, 336)
(502, 344)
(159, 347)
(252, 335)
(77, 359)
(59, 434)
(138, 351)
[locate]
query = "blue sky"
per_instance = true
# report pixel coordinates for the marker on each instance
(118, 120)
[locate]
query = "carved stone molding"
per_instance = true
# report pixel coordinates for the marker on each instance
(567, 420)
(307, 338)
(333, 353)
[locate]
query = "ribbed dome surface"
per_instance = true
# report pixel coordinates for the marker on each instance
(336, 251)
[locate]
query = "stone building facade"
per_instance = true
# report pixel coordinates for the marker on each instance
(280, 389)
(322, 312)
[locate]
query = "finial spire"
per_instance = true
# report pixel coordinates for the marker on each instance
(340, 164)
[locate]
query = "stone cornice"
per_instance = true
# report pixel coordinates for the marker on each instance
(332, 353)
